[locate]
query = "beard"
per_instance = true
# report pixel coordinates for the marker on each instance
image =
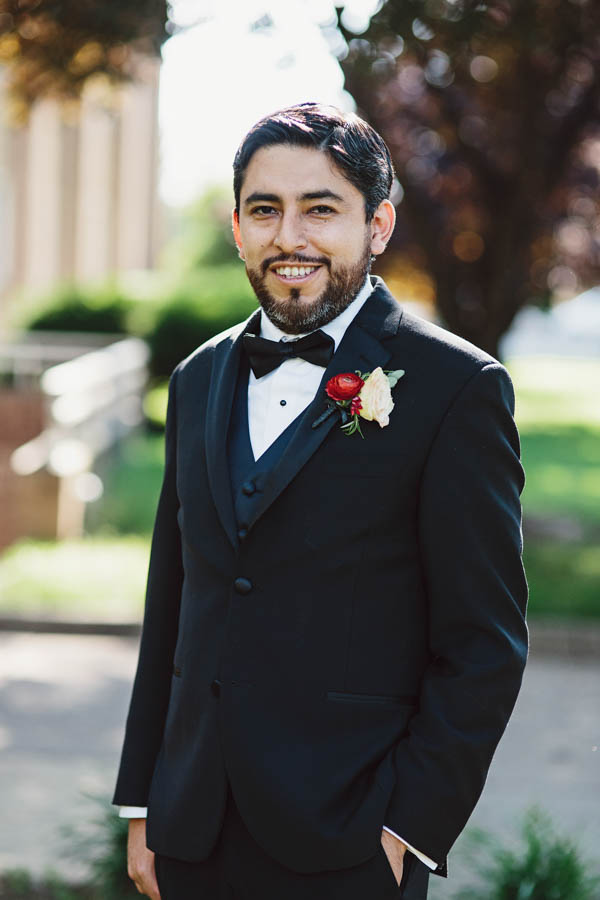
(295, 317)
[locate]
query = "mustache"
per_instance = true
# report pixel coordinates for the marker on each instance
(293, 258)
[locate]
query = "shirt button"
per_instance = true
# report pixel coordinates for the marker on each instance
(242, 585)
(216, 688)
(242, 533)
(248, 488)
(283, 402)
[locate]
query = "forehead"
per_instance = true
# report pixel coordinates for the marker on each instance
(290, 171)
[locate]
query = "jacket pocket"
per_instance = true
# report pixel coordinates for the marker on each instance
(395, 699)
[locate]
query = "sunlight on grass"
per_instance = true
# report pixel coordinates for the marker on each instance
(84, 580)
(556, 390)
(558, 414)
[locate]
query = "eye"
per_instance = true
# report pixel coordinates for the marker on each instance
(263, 210)
(321, 210)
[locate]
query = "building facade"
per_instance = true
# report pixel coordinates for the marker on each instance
(78, 187)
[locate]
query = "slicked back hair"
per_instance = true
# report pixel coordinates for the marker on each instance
(351, 143)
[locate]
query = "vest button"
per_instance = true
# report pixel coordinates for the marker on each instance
(216, 688)
(242, 585)
(242, 533)
(248, 488)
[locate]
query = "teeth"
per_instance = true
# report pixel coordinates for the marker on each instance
(295, 271)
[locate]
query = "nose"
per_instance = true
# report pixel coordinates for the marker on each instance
(290, 234)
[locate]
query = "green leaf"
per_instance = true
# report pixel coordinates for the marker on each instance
(394, 376)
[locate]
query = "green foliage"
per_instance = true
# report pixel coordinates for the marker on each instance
(17, 881)
(18, 884)
(543, 867)
(203, 235)
(104, 849)
(155, 405)
(132, 477)
(205, 304)
(564, 578)
(189, 312)
(78, 308)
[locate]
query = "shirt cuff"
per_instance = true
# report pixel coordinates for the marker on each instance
(141, 812)
(424, 859)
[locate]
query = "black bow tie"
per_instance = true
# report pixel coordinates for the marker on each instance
(316, 347)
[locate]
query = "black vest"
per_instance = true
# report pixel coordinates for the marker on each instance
(247, 474)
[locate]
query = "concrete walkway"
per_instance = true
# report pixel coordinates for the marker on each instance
(63, 701)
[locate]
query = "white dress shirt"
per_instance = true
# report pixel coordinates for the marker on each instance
(274, 401)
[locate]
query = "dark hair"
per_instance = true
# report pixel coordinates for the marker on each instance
(351, 143)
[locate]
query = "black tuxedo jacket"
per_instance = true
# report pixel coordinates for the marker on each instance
(353, 660)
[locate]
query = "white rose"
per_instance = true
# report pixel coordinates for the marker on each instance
(376, 398)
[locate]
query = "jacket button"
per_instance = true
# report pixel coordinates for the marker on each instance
(216, 688)
(242, 585)
(242, 533)
(248, 488)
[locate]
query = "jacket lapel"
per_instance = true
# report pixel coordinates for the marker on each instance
(223, 381)
(362, 347)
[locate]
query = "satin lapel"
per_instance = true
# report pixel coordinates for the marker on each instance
(362, 347)
(221, 394)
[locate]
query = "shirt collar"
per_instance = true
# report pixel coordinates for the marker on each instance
(335, 329)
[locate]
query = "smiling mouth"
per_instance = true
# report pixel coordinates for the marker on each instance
(294, 274)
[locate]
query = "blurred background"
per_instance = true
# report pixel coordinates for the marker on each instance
(118, 126)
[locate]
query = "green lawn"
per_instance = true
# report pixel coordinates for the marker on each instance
(562, 466)
(558, 414)
(99, 579)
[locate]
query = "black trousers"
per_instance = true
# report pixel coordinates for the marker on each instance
(239, 869)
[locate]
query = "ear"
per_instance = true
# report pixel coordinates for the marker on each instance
(382, 225)
(235, 224)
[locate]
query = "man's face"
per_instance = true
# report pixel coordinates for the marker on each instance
(303, 235)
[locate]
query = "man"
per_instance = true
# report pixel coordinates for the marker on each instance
(334, 632)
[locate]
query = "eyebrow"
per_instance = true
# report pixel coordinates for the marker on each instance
(259, 197)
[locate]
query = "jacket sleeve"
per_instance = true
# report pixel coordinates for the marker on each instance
(150, 697)
(470, 542)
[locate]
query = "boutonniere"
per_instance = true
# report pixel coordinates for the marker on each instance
(360, 395)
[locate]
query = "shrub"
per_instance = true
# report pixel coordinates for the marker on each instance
(203, 305)
(174, 319)
(105, 852)
(78, 309)
(544, 867)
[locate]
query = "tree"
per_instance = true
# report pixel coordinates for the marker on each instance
(491, 111)
(51, 47)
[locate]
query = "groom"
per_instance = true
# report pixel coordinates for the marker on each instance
(334, 632)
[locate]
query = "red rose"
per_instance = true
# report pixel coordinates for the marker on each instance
(344, 386)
